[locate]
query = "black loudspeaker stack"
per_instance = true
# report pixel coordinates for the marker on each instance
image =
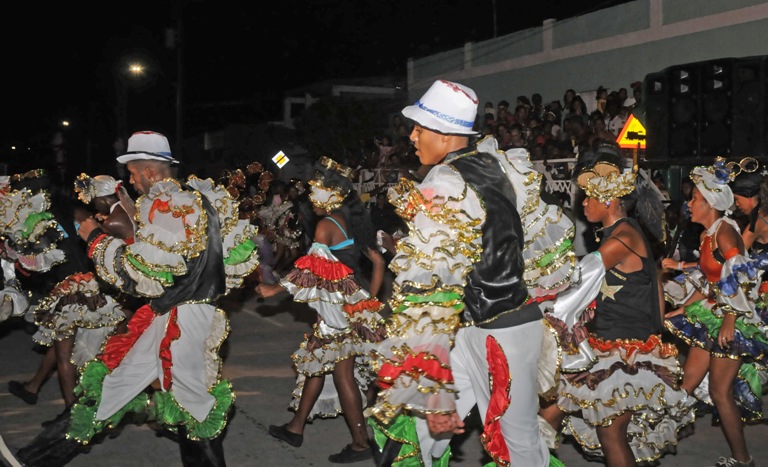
(707, 109)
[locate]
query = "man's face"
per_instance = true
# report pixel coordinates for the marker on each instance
(140, 177)
(430, 146)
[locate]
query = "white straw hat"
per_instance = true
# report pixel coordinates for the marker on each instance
(147, 145)
(446, 107)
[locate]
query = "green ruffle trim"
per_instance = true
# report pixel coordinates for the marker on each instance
(553, 462)
(403, 430)
(165, 277)
(561, 250)
(169, 412)
(240, 253)
(750, 373)
(697, 312)
(83, 424)
(448, 298)
(32, 220)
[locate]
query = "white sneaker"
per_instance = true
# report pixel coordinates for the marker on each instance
(731, 462)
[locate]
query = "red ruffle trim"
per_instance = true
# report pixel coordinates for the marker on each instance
(65, 286)
(118, 345)
(543, 298)
(370, 305)
(172, 333)
(631, 346)
(329, 270)
(416, 366)
(492, 437)
(92, 245)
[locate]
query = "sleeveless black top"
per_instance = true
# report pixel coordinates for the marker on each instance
(627, 306)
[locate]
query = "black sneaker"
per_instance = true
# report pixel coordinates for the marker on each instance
(63, 414)
(281, 432)
(17, 389)
(349, 455)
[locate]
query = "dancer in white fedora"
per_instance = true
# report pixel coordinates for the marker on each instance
(190, 249)
(466, 327)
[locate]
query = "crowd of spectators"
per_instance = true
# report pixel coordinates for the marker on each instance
(555, 131)
(559, 129)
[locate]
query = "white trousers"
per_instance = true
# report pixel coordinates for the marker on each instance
(519, 424)
(142, 364)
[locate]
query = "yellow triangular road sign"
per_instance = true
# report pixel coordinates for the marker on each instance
(632, 134)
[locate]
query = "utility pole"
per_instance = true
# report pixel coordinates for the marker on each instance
(179, 7)
(495, 29)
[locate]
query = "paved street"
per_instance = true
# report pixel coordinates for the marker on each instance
(257, 360)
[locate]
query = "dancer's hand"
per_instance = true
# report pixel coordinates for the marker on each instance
(727, 331)
(268, 290)
(86, 227)
(388, 243)
(374, 256)
(671, 264)
(678, 311)
(445, 423)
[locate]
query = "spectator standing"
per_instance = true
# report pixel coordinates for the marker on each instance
(386, 149)
(383, 215)
(504, 136)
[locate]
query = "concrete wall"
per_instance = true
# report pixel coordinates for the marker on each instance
(612, 47)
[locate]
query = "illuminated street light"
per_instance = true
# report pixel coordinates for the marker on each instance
(136, 69)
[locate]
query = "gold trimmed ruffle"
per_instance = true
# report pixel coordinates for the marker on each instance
(423, 333)
(628, 377)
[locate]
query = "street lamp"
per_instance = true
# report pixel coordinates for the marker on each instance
(138, 71)
(128, 73)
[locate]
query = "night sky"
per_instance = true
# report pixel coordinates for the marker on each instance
(60, 58)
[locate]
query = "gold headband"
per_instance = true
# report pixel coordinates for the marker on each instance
(331, 164)
(36, 173)
(326, 197)
(605, 182)
(746, 165)
(328, 193)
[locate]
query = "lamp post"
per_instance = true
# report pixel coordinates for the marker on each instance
(139, 71)
(129, 72)
(178, 44)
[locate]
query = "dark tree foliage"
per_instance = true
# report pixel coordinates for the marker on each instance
(339, 127)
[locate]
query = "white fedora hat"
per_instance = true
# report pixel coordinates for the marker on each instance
(147, 145)
(446, 107)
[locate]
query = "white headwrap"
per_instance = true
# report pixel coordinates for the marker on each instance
(88, 188)
(712, 182)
